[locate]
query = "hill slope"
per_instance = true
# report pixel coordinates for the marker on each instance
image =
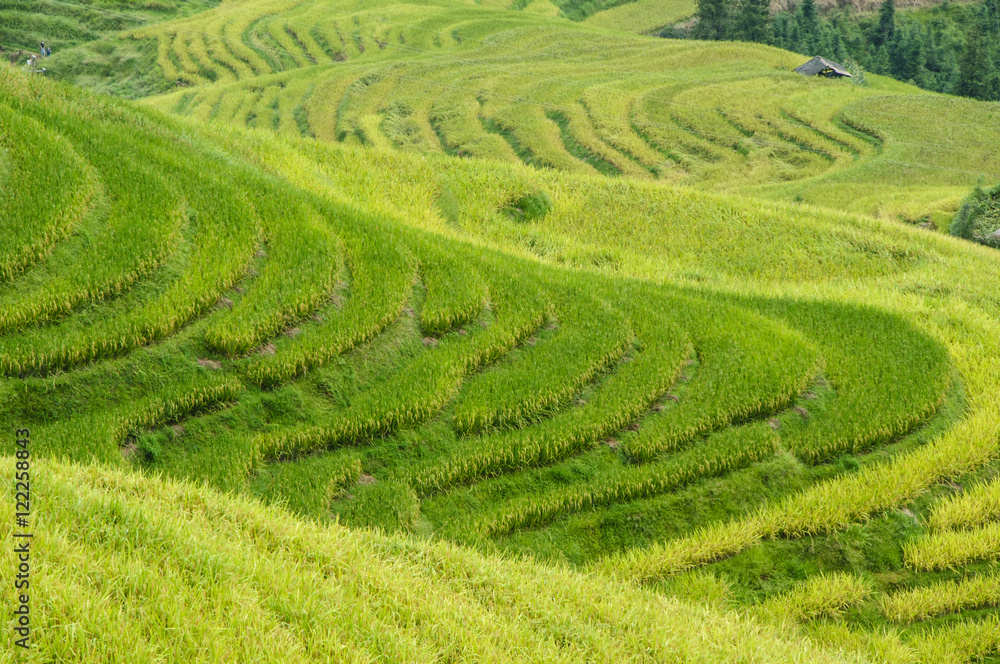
(475, 82)
(84, 40)
(125, 566)
(128, 569)
(630, 377)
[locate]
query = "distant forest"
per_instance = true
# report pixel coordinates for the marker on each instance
(952, 48)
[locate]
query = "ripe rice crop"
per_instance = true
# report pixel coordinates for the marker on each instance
(381, 275)
(590, 337)
(720, 115)
(720, 453)
(706, 545)
(609, 112)
(623, 396)
(137, 209)
(960, 643)
(422, 388)
(456, 293)
(823, 595)
(164, 550)
(942, 597)
(879, 397)
(176, 403)
(465, 399)
(641, 16)
(46, 174)
(303, 261)
(221, 252)
(952, 549)
(738, 378)
(108, 430)
(972, 508)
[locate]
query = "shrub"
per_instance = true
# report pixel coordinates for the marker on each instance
(857, 72)
(530, 206)
(979, 217)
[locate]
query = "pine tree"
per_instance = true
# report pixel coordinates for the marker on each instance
(713, 20)
(792, 36)
(886, 23)
(838, 47)
(880, 61)
(808, 26)
(899, 61)
(976, 71)
(779, 30)
(752, 20)
(949, 72)
(917, 54)
(991, 22)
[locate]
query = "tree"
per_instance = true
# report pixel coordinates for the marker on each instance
(713, 20)
(991, 18)
(886, 23)
(976, 72)
(752, 20)
(792, 38)
(906, 55)
(838, 47)
(808, 26)
(779, 30)
(857, 72)
(879, 63)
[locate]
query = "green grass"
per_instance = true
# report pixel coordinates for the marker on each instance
(719, 454)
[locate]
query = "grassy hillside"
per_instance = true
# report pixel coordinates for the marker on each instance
(566, 400)
(133, 569)
(642, 16)
(517, 86)
(387, 339)
(83, 37)
(77, 336)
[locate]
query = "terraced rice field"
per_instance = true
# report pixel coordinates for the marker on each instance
(512, 365)
(493, 308)
(495, 84)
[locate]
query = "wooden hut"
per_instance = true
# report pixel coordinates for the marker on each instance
(822, 67)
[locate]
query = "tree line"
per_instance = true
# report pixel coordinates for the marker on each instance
(950, 48)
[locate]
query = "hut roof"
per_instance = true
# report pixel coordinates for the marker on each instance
(819, 65)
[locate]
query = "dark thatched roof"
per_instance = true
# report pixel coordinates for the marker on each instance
(822, 66)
